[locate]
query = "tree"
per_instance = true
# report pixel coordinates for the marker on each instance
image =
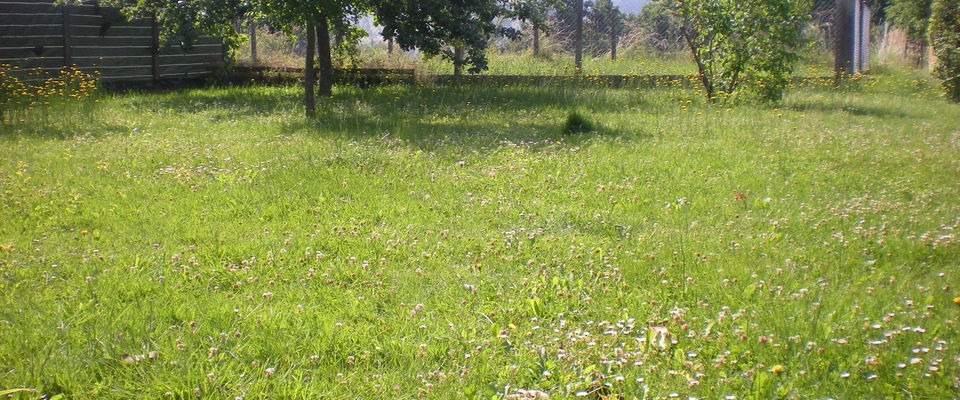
(321, 16)
(913, 16)
(432, 26)
(606, 23)
(534, 13)
(563, 24)
(182, 22)
(441, 27)
(945, 40)
(661, 28)
(734, 42)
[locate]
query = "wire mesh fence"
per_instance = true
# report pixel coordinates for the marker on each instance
(602, 37)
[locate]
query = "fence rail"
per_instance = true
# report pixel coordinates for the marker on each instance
(38, 37)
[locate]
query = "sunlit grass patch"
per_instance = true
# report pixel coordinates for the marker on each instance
(454, 242)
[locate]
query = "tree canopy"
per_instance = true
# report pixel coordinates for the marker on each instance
(734, 42)
(945, 39)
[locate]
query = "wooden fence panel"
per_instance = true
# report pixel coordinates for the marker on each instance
(111, 51)
(39, 34)
(19, 7)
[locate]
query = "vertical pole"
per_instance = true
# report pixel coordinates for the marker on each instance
(309, 102)
(857, 36)
(155, 49)
(865, 37)
(844, 37)
(578, 36)
(253, 42)
(67, 48)
(613, 32)
(536, 39)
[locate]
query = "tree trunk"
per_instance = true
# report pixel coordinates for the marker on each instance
(389, 46)
(253, 42)
(458, 61)
(309, 102)
(536, 39)
(325, 88)
(578, 36)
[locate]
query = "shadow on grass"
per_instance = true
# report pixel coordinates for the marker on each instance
(59, 129)
(422, 116)
(862, 110)
(245, 101)
(427, 117)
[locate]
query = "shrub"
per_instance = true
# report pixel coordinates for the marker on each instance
(737, 42)
(577, 123)
(945, 39)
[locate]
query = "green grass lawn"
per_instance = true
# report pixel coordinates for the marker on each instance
(444, 243)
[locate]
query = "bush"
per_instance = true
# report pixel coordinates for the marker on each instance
(577, 123)
(945, 39)
(743, 42)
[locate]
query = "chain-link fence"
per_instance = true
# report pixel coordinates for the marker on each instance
(601, 37)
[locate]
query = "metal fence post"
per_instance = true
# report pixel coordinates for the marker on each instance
(843, 41)
(863, 37)
(578, 36)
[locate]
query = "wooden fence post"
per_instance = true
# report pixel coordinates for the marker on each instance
(155, 49)
(67, 48)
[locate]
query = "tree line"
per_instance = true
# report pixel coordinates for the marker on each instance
(741, 47)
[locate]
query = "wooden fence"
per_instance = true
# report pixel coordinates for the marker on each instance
(37, 35)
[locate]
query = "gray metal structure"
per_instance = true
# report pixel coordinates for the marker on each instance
(38, 38)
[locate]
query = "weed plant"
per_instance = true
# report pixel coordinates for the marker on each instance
(34, 99)
(577, 123)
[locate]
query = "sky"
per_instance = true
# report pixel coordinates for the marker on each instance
(630, 6)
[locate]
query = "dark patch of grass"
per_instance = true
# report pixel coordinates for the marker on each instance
(578, 123)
